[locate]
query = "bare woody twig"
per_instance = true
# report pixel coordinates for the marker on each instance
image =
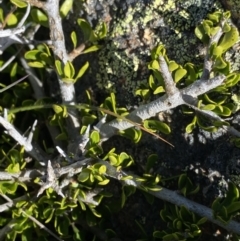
(33, 151)
(163, 103)
(174, 198)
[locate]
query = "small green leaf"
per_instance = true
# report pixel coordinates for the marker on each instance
(46, 59)
(95, 137)
(132, 133)
(226, 28)
(233, 207)
(172, 65)
(59, 67)
(83, 176)
(74, 39)
(158, 90)
(201, 34)
(229, 39)
(113, 158)
(144, 93)
(154, 65)
(207, 24)
(220, 63)
(62, 137)
(69, 70)
(32, 55)
(209, 107)
(36, 64)
(151, 161)
(39, 17)
(179, 74)
(82, 71)
(13, 168)
(158, 50)
(14, 69)
(12, 20)
(104, 182)
(86, 29)
(19, 3)
(151, 82)
(157, 125)
(91, 49)
(65, 8)
(215, 17)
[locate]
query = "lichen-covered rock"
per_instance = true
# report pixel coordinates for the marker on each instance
(135, 27)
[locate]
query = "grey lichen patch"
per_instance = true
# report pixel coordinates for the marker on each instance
(135, 27)
(233, 56)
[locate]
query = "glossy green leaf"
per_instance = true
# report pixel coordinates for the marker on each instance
(83, 176)
(46, 59)
(229, 39)
(207, 25)
(65, 8)
(179, 74)
(201, 34)
(222, 110)
(157, 125)
(233, 207)
(13, 168)
(69, 70)
(82, 71)
(123, 156)
(74, 39)
(86, 29)
(158, 90)
(19, 3)
(88, 120)
(94, 150)
(172, 65)
(12, 20)
(39, 17)
(113, 158)
(132, 133)
(94, 137)
(209, 107)
(151, 161)
(226, 27)
(220, 63)
(59, 67)
(154, 65)
(215, 17)
(104, 182)
(48, 214)
(36, 64)
(32, 55)
(91, 49)
(191, 73)
(216, 51)
(232, 79)
(144, 93)
(158, 50)
(151, 82)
